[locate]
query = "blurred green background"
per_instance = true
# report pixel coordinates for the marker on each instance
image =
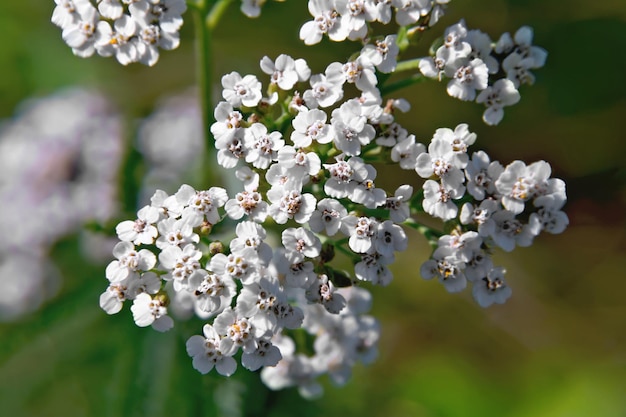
(556, 348)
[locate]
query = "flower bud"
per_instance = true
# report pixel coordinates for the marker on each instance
(216, 247)
(162, 297)
(205, 228)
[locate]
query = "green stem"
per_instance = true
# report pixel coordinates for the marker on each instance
(402, 40)
(429, 233)
(217, 11)
(204, 70)
(410, 64)
(414, 79)
(206, 17)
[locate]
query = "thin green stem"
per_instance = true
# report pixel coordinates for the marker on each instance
(402, 40)
(414, 79)
(204, 70)
(410, 64)
(206, 17)
(429, 233)
(216, 13)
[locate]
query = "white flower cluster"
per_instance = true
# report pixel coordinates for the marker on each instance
(273, 290)
(351, 19)
(499, 213)
(469, 57)
(304, 154)
(60, 157)
(132, 30)
(302, 160)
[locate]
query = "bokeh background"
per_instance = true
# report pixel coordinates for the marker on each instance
(556, 348)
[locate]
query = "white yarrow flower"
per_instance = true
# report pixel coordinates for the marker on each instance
(206, 354)
(502, 93)
(240, 91)
(148, 311)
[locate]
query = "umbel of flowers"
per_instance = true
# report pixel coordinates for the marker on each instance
(130, 30)
(258, 262)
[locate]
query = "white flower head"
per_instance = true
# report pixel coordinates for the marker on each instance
(520, 183)
(442, 161)
(180, 264)
(298, 165)
(509, 231)
(351, 130)
(236, 331)
(130, 261)
(327, 217)
(110, 9)
(83, 32)
(286, 71)
(120, 41)
(300, 243)
(249, 178)
(240, 91)
(142, 230)
(492, 288)
(67, 12)
(234, 266)
(467, 77)
(309, 126)
(206, 354)
(201, 205)
(405, 152)
(438, 200)
(517, 69)
(326, 20)
(382, 54)
(481, 174)
(459, 140)
(250, 242)
(227, 121)
(447, 268)
(248, 203)
(323, 291)
(175, 232)
(495, 98)
(290, 204)
(266, 355)
(398, 205)
(390, 238)
(373, 268)
(212, 292)
(523, 47)
(362, 231)
(262, 146)
(151, 311)
(326, 89)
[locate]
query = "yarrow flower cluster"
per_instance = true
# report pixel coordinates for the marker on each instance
(310, 173)
(273, 289)
(469, 58)
(256, 260)
(351, 19)
(130, 30)
(496, 215)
